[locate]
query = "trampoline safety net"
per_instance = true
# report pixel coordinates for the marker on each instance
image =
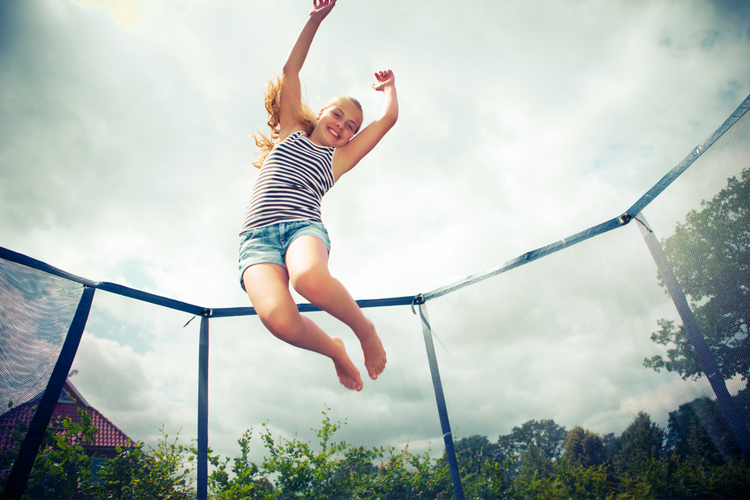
(659, 295)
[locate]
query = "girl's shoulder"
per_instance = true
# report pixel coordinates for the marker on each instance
(292, 133)
(294, 136)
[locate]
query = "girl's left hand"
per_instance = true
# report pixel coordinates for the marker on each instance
(322, 8)
(385, 79)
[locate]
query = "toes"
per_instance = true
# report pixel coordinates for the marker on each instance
(351, 384)
(376, 370)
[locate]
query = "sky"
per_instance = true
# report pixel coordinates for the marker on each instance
(125, 157)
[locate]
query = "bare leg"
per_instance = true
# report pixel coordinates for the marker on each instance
(268, 288)
(307, 264)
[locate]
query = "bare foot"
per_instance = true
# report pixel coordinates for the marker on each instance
(345, 369)
(372, 347)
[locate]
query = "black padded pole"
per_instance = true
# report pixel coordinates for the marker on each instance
(701, 349)
(440, 397)
(202, 488)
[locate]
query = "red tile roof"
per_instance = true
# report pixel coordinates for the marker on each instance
(107, 437)
(8, 421)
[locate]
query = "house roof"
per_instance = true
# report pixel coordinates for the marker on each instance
(108, 434)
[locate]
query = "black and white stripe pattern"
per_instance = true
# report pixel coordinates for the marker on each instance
(291, 184)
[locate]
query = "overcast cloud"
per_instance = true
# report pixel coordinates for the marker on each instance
(124, 157)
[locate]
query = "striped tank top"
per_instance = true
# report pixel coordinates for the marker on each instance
(291, 184)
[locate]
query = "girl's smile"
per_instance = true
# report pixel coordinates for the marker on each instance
(334, 133)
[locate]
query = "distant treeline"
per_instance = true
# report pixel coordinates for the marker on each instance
(695, 457)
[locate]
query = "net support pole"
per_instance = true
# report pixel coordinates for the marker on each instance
(202, 485)
(19, 474)
(700, 347)
(440, 397)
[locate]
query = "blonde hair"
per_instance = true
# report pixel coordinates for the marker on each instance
(265, 143)
(305, 117)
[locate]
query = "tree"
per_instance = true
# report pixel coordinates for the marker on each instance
(473, 452)
(336, 470)
(405, 476)
(584, 448)
(579, 482)
(546, 435)
(142, 473)
(302, 472)
(710, 254)
(641, 441)
(246, 480)
(482, 473)
(62, 464)
(699, 430)
(535, 463)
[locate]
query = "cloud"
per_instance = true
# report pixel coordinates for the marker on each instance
(124, 157)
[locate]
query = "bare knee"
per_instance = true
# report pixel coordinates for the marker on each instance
(282, 323)
(314, 285)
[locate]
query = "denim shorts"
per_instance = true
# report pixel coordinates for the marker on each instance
(269, 244)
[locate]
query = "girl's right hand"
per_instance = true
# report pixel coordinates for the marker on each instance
(322, 8)
(384, 79)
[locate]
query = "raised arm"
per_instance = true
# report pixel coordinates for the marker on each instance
(291, 93)
(347, 157)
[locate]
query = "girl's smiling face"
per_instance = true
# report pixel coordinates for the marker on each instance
(337, 123)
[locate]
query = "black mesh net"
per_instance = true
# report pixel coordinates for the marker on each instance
(581, 334)
(36, 313)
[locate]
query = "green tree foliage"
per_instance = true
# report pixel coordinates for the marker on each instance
(642, 440)
(584, 448)
(699, 430)
(570, 480)
(545, 435)
(632, 465)
(404, 475)
(243, 480)
(535, 463)
(474, 452)
(297, 467)
(292, 469)
(140, 472)
(64, 467)
(710, 254)
(490, 482)
(62, 464)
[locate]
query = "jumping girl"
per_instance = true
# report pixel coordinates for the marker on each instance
(283, 239)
